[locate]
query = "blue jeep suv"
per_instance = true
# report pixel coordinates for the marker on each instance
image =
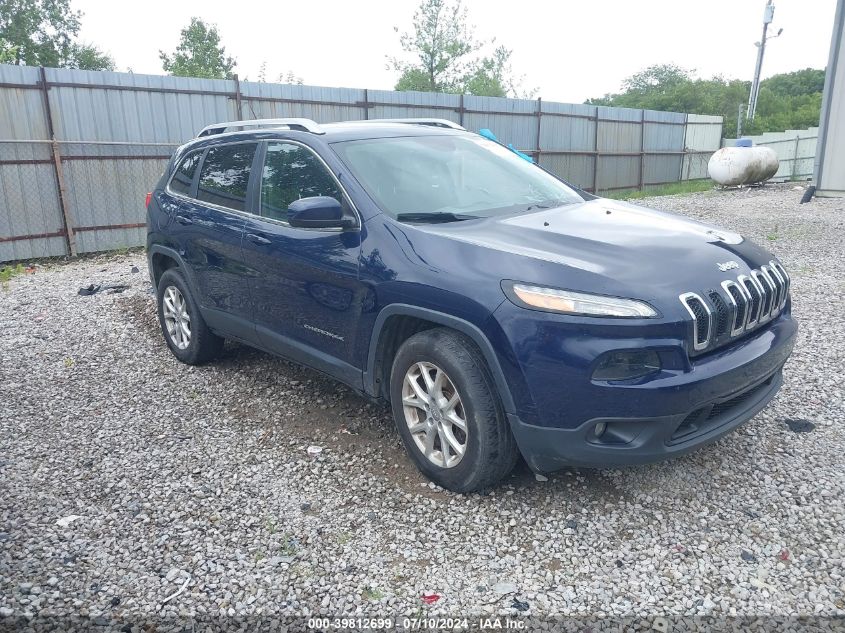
(499, 310)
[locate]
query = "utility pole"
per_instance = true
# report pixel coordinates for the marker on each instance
(768, 16)
(739, 122)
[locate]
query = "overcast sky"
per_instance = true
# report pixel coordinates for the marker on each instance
(569, 49)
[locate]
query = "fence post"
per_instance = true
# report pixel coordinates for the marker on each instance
(539, 122)
(596, 153)
(70, 236)
(366, 104)
(238, 106)
(461, 111)
(684, 148)
(795, 159)
(642, 150)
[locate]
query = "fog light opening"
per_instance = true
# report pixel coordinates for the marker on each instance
(600, 428)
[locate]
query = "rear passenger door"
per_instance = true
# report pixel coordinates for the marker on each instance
(209, 226)
(304, 282)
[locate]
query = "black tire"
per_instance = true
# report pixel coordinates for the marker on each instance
(203, 345)
(490, 451)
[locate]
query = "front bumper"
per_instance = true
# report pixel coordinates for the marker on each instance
(649, 439)
(580, 422)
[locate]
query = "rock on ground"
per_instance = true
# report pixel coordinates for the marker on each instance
(198, 478)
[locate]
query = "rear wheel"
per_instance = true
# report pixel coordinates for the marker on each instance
(184, 329)
(448, 413)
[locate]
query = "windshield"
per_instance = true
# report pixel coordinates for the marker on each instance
(462, 176)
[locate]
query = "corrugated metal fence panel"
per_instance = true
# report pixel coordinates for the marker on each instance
(118, 128)
(575, 132)
(619, 131)
(109, 192)
(417, 104)
(257, 102)
(512, 120)
(21, 110)
(662, 132)
(29, 203)
(139, 110)
(703, 137)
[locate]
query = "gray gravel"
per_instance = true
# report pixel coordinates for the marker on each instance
(199, 479)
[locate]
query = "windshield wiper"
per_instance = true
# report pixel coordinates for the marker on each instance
(434, 218)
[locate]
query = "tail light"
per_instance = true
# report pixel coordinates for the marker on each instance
(148, 198)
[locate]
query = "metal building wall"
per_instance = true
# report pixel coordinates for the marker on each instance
(79, 149)
(830, 159)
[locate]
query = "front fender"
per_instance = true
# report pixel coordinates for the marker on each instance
(371, 379)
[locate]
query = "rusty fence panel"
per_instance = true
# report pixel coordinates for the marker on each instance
(79, 149)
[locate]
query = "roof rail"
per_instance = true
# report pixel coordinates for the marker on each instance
(430, 122)
(302, 125)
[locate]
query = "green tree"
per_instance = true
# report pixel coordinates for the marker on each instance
(7, 53)
(790, 100)
(199, 54)
(89, 57)
(40, 32)
(446, 55)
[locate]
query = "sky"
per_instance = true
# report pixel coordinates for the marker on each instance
(569, 50)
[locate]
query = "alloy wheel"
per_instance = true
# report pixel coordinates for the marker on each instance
(176, 317)
(435, 414)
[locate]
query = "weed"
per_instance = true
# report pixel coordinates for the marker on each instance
(372, 593)
(289, 545)
(7, 272)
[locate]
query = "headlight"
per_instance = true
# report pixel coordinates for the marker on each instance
(570, 302)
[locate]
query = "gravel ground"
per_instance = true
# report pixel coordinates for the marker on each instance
(126, 477)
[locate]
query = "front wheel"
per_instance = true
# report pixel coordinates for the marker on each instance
(184, 329)
(448, 413)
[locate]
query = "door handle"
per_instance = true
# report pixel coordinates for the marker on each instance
(257, 239)
(184, 219)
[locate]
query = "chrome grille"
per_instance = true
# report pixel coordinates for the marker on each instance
(737, 306)
(701, 319)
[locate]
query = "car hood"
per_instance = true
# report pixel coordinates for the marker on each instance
(623, 244)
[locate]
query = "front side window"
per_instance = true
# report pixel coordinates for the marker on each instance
(183, 177)
(459, 176)
(225, 175)
(292, 172)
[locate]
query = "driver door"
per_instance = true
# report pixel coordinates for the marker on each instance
(303, 283)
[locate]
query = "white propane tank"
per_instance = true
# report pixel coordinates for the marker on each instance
(743, 165)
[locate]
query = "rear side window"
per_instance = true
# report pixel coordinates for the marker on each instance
(225, 175)
(292, 172)
(183, 177)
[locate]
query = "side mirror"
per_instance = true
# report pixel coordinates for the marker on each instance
(319, 212)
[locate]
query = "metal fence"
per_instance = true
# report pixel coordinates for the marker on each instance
(796, 150)
(79, 149)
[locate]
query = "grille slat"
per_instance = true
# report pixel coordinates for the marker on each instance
(768, 291)
(756, 296)
(701, 319)
(738, 306)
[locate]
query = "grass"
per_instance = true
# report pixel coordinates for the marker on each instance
(7, 272)
(672, 189)
(372, 593)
